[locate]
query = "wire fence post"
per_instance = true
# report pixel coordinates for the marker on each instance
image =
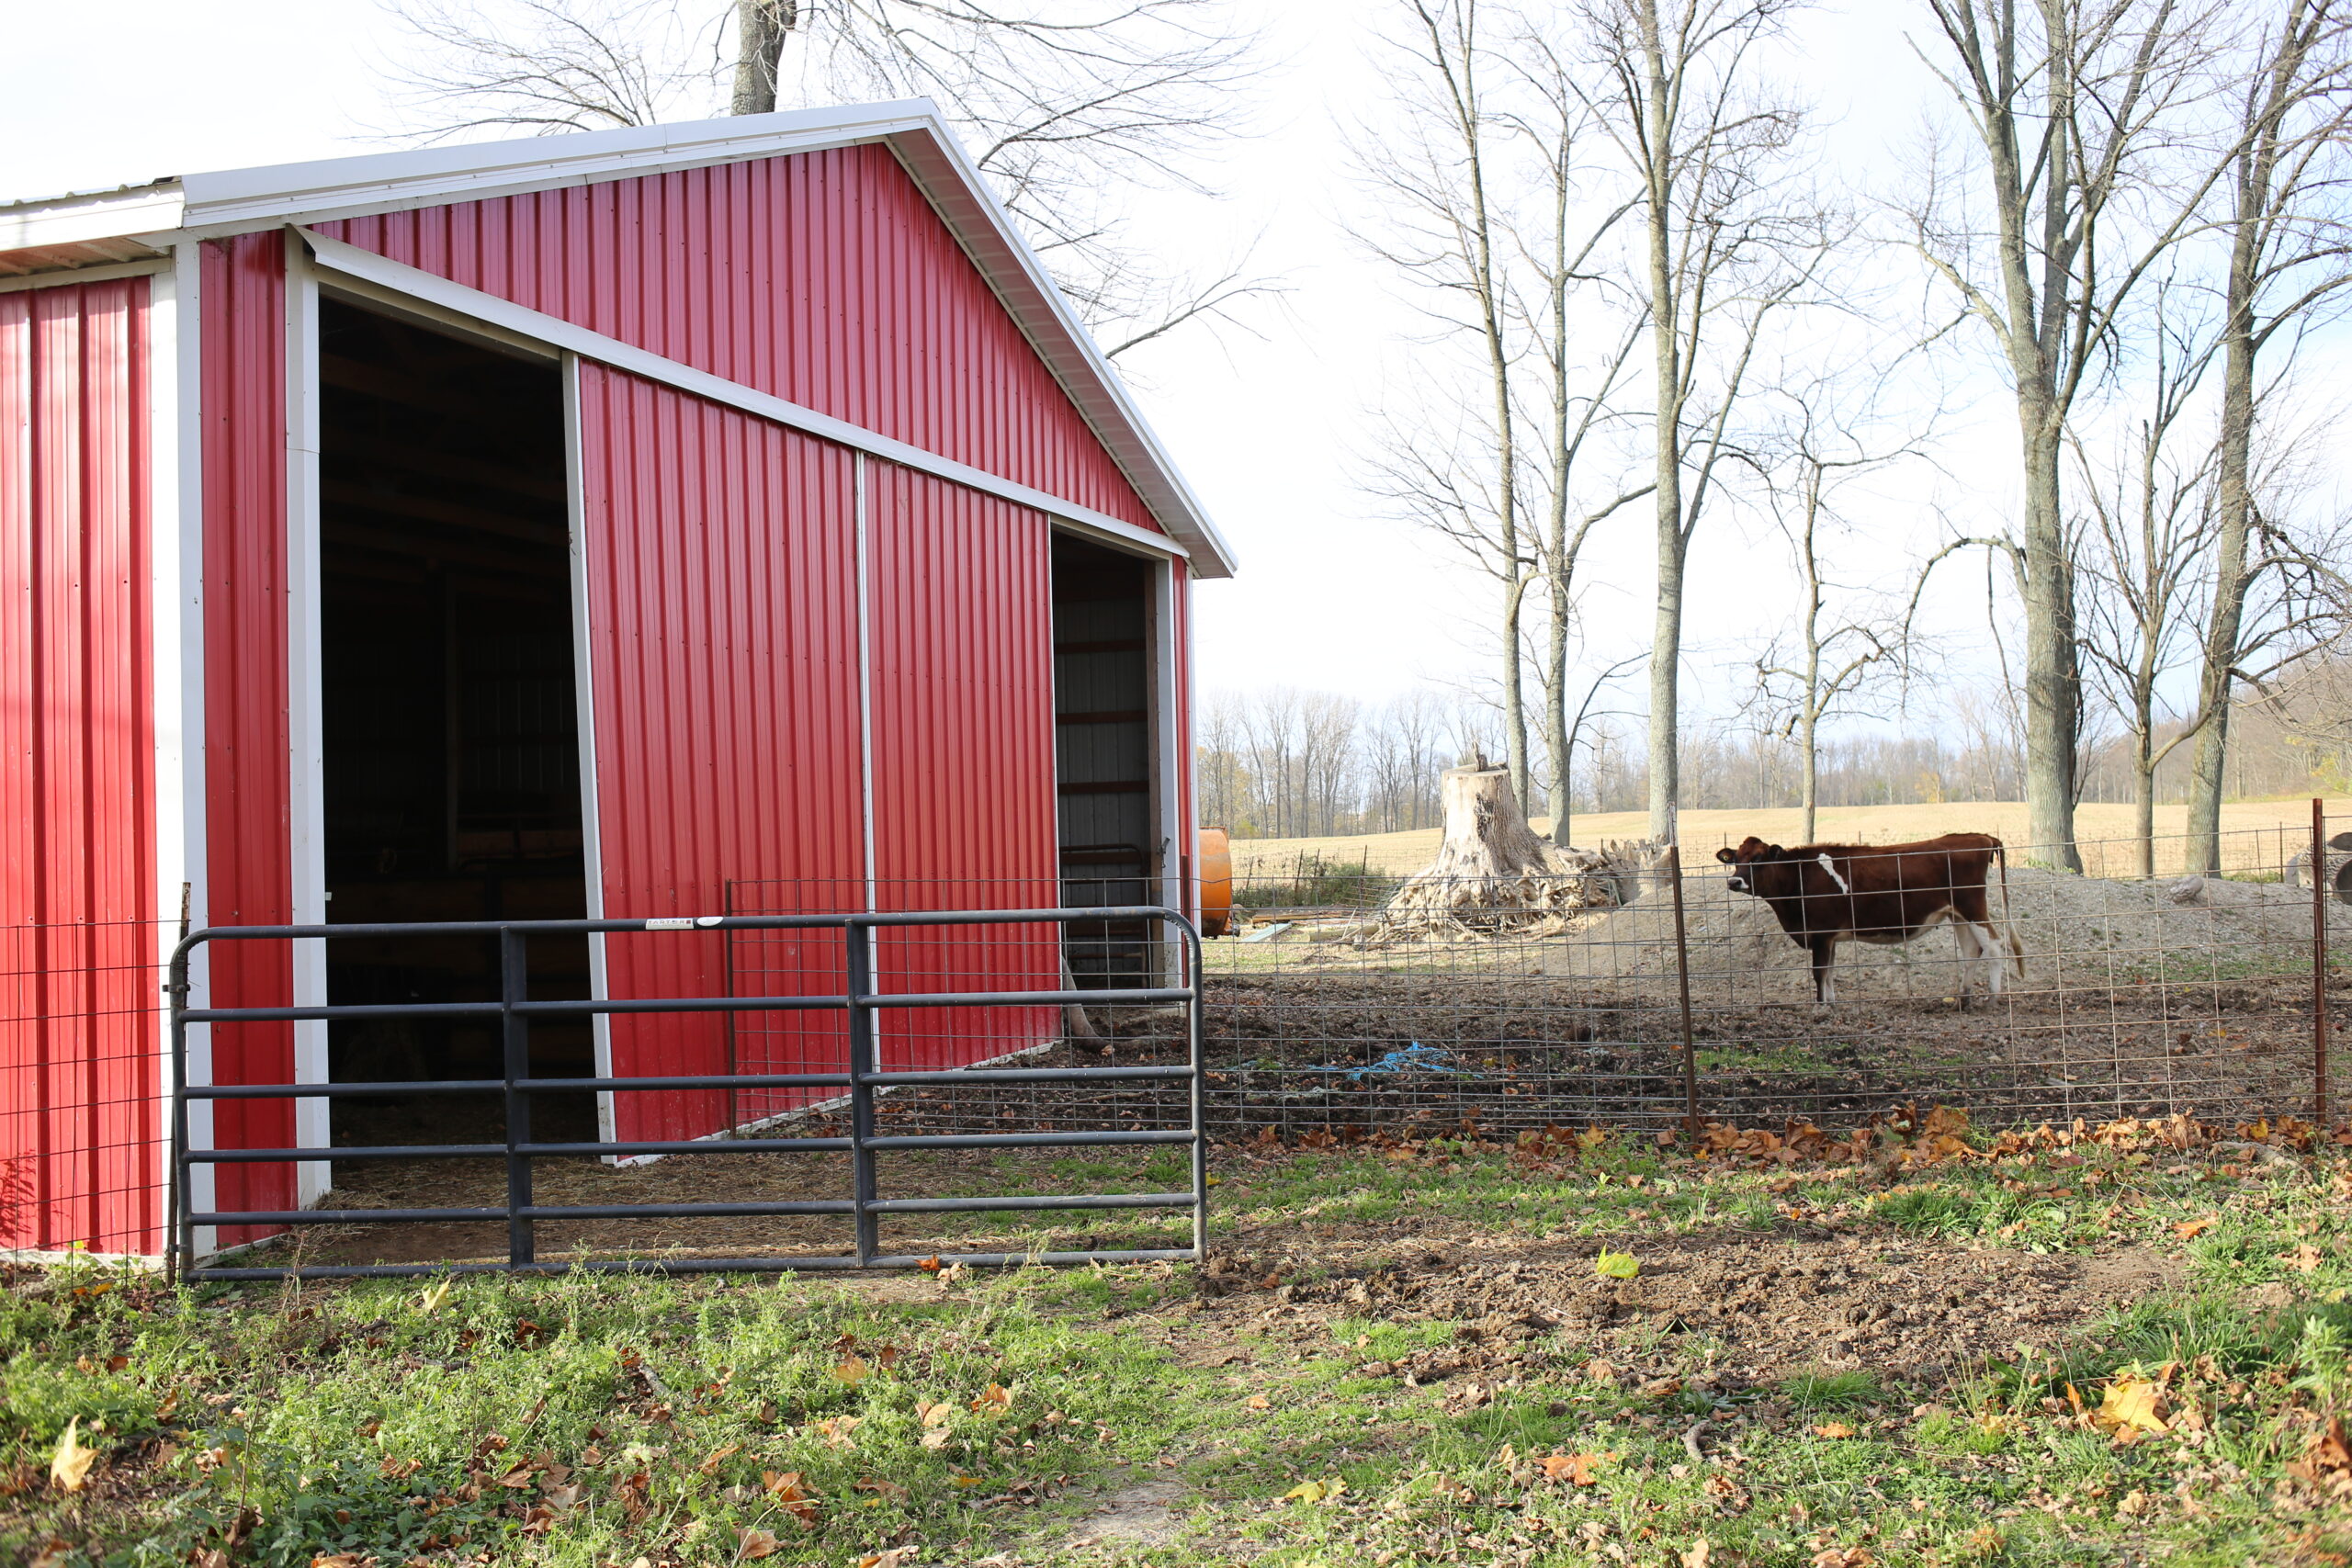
(2318, 962)
(1682, 978)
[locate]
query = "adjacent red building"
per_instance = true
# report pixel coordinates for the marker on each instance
(659, 521)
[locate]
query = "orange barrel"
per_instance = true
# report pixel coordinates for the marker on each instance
(1216, 861)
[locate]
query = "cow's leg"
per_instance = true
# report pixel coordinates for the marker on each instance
(1972, 914)
(1964, 935)
(1824, 977)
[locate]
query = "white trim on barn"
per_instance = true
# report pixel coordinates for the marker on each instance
(583, 697)
(176, 553)
(305, 711)
(1169, 759)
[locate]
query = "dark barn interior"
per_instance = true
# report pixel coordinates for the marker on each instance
(1111, 852)
(452, 757)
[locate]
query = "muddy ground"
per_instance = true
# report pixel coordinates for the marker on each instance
(1747, 1309)
(1335, 1049)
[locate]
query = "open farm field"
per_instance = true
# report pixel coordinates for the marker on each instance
(2255, 833)
(1914, 1344)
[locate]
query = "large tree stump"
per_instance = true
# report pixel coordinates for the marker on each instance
(1492, 874)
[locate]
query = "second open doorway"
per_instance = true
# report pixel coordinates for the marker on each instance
(451, 747)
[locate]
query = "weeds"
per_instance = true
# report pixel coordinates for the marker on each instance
(601, 1419)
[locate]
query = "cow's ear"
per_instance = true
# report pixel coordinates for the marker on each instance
(1728, 856)
(1776, 852)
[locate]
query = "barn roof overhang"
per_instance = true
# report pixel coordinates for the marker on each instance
(111, 228)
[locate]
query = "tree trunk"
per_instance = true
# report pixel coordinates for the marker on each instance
(1555, 701)
(1492, 874)
(1811, 762)
(2051, 677)
(2203, 853)
(2143, 803)
(1665, 344)
(760, 27)
(1486, 836)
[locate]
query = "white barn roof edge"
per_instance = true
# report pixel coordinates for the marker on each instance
(59, 234)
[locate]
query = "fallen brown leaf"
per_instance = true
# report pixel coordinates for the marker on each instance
(69, 1468)
(1832, 1429)
(2328, 1458)
(2186, 1229)
(2131, 1406)
(750, 1544)
(1574, 1469)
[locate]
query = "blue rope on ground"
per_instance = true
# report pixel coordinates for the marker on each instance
(1414, 1059)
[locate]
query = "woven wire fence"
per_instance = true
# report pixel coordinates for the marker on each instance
(81, 1086)
(2120, 995)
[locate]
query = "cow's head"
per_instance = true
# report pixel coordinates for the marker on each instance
(1765, 870)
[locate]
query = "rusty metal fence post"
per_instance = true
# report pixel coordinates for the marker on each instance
(2318, 962)
(1682, 978)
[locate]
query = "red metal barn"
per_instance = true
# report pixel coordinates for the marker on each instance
(650, 523)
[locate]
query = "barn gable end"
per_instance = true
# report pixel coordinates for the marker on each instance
(825, 279)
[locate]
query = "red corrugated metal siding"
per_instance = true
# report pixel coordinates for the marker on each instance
(962, 695)
(78, 1026)
(823, 278)
(248, 836)
(723, 661)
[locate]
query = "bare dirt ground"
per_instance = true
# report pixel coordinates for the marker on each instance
(1309, 1050)
(1756, 1309)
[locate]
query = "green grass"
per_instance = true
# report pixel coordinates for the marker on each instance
(600, 1419)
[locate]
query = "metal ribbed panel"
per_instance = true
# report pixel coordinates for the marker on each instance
(78, 1041)
(822, 277)
(722, 655)
(246, 751)
(962, 705)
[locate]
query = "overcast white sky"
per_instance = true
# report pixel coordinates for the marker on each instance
(1267, 425)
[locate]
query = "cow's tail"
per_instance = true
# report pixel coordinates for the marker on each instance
(2009, 932)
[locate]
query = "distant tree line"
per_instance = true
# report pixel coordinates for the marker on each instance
(1311, 764)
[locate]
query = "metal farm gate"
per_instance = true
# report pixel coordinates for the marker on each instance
(857, 1080)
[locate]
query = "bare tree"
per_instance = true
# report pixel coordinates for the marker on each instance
(2148, 535)
(2289, 251)
(1442, 227)
(1068, 106)
(547, 65)
(1842, 642)
(1578, 399)
(1728, 240)
(2076, 110)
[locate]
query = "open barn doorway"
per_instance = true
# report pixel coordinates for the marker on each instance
(1105, 781)
(451, 768)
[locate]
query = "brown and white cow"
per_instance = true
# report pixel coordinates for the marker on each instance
(1884, 894)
